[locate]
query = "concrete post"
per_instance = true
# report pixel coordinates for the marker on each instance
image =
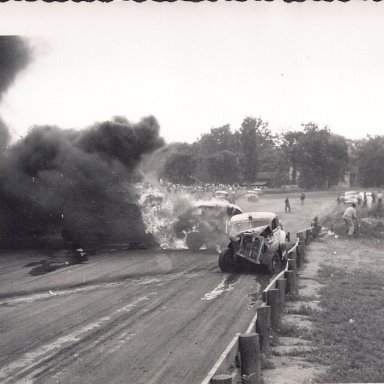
(222, 379)
(263, 327)
(273, 300)
(250, 357)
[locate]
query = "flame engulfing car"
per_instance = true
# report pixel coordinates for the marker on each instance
(205, 223)
(257, 238)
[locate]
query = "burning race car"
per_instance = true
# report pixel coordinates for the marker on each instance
(256, 238)
(205, 223)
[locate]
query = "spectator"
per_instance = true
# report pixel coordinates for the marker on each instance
(379, 197)
(302, 197)
(287, 205)
(350, 219)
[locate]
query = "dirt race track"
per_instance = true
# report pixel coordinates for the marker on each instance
(161, 316)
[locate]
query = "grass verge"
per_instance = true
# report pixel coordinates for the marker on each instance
(349, 332)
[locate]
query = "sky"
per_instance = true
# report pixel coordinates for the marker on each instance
(199, 66)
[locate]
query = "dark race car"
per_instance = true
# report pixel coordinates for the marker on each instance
(206, 223)
(256, 238)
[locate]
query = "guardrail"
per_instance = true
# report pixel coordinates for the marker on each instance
(241, 360)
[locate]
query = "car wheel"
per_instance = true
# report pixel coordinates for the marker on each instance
(195, 240)
(226, 260)
(275, 265)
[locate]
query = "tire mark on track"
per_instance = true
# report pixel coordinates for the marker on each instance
(32, 363)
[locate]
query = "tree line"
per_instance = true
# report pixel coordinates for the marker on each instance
(312, 157)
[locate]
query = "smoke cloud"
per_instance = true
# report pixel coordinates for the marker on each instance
(71, 184)
(76, 181)
(15, 54)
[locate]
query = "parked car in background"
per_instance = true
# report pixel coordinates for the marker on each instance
(349, 197)
(252, 196)
(225, 195)
(206, 223)
(256, 238)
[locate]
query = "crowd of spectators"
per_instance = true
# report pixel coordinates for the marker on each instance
(196, 188)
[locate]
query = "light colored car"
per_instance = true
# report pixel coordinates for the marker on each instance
(349, 197)
(257, 238)
(206, 223)
(252, 196)
(221, 195)
(225, 195)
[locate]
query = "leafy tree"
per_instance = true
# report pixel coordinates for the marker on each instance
(370, 158)
(181, 165)
(219, 167)
(323, 157)
(248, 140)
(219, 139)
(258, 146)
(290, 148)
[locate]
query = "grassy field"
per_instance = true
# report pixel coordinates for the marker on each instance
(333, 332)
(349, 331)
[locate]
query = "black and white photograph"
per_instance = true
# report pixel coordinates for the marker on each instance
(191, 192)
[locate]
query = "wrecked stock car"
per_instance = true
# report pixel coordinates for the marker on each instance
(205, 223)
(256, 238)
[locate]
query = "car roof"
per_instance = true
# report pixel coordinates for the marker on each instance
(254, 215)
(224, 192)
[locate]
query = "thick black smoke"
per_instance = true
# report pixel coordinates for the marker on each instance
(15, 54)
(77, 182)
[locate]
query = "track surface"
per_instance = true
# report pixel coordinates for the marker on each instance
(128, 316)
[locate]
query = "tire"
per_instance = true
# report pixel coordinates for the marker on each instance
(227, 261)
(275, 264)
(195, 240)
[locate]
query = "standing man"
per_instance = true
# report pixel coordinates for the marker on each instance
(350, 219)
(287, 205)
(379, 197)
(302, 197)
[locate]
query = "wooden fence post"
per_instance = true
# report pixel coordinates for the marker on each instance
(263, 327)
(250, 357)
(291, 283)
(293, 267)
(308, 236)
(273, 300)
(300, 254)
(281, 283)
